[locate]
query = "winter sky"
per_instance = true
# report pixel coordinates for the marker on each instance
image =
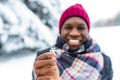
(97, 9)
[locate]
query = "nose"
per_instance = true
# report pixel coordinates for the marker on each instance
(74, 32)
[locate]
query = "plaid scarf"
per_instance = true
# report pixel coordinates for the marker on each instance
(85, 63)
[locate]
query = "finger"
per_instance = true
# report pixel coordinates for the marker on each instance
(45, 71)
(46, 55)
(44, 78)
(42, 63)
(52, 70)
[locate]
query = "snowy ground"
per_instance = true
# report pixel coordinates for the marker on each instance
(108, 38)
(17, 68)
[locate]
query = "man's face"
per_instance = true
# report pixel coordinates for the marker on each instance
(74, 32)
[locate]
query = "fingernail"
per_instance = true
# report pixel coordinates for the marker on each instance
(54, 58)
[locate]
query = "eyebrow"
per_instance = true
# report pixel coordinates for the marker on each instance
(68, 24)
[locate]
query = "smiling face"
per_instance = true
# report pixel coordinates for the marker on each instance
(74, 32)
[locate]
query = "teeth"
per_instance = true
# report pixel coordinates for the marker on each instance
(74, 40)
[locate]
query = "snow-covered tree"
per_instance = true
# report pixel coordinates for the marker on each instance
(28, 24)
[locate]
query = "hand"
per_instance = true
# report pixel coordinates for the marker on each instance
(45, 67)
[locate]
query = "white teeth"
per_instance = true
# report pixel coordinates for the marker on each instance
(74, 40)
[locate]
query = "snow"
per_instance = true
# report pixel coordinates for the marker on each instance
(53, 10)
(107, 37)
(17, 69)
(7, 14)
(28, 30)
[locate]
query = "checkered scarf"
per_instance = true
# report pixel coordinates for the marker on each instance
(85, 63)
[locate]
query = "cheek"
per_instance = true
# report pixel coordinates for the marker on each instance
(86, 35)
(63, 33)
(64, 36)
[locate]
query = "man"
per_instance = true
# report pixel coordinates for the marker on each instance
(76, 56)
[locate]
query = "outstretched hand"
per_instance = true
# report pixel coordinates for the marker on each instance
(45, 67)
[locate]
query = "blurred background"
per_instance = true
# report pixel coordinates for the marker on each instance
(27, 26)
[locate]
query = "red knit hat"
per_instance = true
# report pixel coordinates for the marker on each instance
(74, 10)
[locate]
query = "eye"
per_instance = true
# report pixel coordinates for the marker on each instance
(68, 27)
(81, 27)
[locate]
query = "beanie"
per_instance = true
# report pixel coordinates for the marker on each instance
(74, 10)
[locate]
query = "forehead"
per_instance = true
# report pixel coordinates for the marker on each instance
(75, 20)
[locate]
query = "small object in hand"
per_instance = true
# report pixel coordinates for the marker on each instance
(57, 54)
